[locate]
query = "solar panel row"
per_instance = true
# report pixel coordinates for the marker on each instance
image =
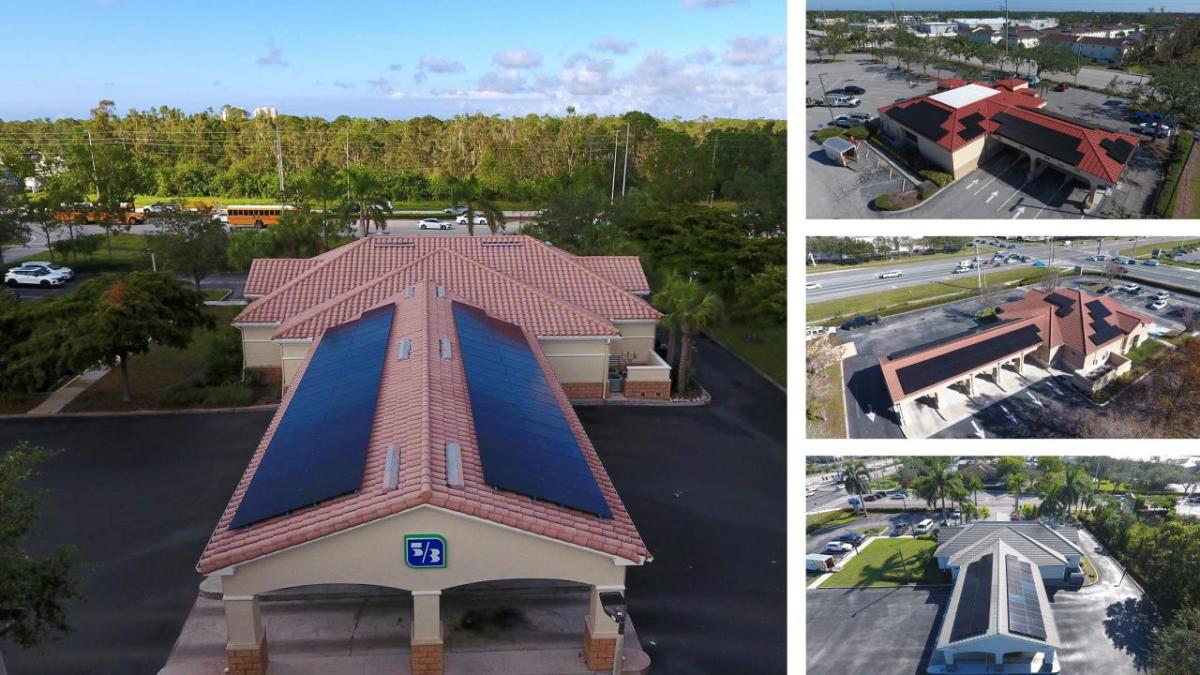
(1043, 139)
(320, 446)
(922, 117)
(959, 361)
(1118, 149)
(1024, 610)
(525, 443)
(974, 604)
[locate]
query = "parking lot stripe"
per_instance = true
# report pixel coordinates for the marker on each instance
(1066, 183)
(1014, 194)
(994, 177)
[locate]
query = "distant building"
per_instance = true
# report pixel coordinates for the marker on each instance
(984, 35)
(872, 26)
(829, 22)
(229, 112)
(1025, 37)
(995, 23)
(268, 113)
(1038, 24)
(937, 29)
(1109, 50)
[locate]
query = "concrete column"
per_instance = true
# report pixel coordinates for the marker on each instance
(1090, 200)
(599, 633)
(996, 373)
(899, 410)
(426, 655)
(1021, 364)
(971, 386)
(246, 649)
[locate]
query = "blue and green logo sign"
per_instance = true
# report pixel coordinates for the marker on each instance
(425, 551)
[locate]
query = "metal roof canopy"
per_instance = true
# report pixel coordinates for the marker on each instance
(838, 144)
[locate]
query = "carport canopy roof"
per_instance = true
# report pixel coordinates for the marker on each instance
(838, 145)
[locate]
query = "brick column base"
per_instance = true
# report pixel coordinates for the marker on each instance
(598, 653)
(584, 390)
(638, 389)
(426, 659)
(248, 661)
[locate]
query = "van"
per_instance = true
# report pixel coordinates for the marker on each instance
(923, 526)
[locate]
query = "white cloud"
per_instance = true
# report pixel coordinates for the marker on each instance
(754, 50)
(517, 58)
(587, 77)
(433, 64)
(702, 55)
(503, 81)
(710, 4)
(613, 45)
(273, 57)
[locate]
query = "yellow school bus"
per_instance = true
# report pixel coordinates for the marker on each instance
(255, 215)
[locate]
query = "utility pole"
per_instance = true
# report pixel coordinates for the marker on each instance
(711, 170)
(625, 167)
(821, 79)
(279, 158)
(1007, 28)
(347, 164)
(95, 178)
(979, 274)
(616, 141)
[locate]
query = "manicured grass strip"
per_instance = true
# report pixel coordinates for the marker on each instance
(1164, 205)
(766, 347)
(128, 253)
(899, 260)
(1145, 351)
(820, 521)
(215, 293)
(1146, 249)
(428, 205)
(889, 562)
(907, 298)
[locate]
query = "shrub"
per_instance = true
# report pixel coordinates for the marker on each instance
(181, 396)
(859, 132)
(1165, 204)
(940, 178)
(224, 362)
(886, 203)
(928, 189)
(821, 135)
(228, 395)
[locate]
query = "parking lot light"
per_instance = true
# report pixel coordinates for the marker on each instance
(821, 79)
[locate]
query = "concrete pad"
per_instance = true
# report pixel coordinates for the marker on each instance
(510, 627)
(55, 402)
(922, 421)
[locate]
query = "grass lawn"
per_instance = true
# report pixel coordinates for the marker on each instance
(880, 564)
(128, 254)
(22, 405)
(832, 408)
(215, 293)
(894, 301)
(766, 348)
(1145, 351)
(820, 521)
(899, 260)
(152, 374)
(1145, 250)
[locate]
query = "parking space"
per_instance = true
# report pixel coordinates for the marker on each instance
(837, 191)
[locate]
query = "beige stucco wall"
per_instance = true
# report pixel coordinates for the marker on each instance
(258, 350)
(966, 158)
(636, 341)
(577, 360)
(374, 554)
(292, 355)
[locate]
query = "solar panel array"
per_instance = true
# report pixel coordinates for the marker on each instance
(975, 602)
(525, 443)
(1118, 149)
(941, 341)
(922, 117)
(1065, 304)
(1103, 331)
(1043, 139)
(320, 446)
(1024, 610)
(965, 359)
(971, 126)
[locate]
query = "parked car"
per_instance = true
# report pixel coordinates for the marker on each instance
(33, 276)
(838, 547)
(1194, 499)
(1158, 304)
(1107, 290)
(1034, 80)
(853, 537)
(840, 91)
(924, 526)
(479, 220)
(1062, 86)
(455, 210)
(814, 332)
(880, 494)
(852, 89)
(53, 267)
(862, 117)
(860, 321)
(961, 270)
(1161, 295)
(842, 101)
(811, 286)
(901, 528)
(898, 495)
(843, 121)
(434, 224)
(1039, 263)
(869, 498)
(160, 209)
(1161, 130)
(891, 275)
(1142, 117)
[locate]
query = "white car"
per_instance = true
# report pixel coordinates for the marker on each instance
(53, 267)
(890, 275)
(1152, 262)
(961, 270)
(1158, 304)
(1163, 131)
(33, 276)
(838, 547)
(811, 286)
(434, 224)
(455, 210)
(479, 220)
(1161, 295)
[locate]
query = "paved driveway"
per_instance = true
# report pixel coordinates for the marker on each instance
(138, 495)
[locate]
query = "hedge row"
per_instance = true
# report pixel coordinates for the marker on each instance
(1164, 206)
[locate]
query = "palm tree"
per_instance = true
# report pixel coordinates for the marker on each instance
(667, 300)
(1054, 499)
(366, 189)
(1017, 483)
(469, 193)
(937, 482)
(974, 483)
(1075, 486)
(695, 308)
(856, 478)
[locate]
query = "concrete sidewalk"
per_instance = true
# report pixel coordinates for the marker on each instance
(58, 400)
(513, 627)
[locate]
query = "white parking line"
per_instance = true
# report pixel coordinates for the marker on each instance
(994, 177)
(1014, 194)
(1066, 183)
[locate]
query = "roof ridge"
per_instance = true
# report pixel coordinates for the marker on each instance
(426, 450)
(1037, 543)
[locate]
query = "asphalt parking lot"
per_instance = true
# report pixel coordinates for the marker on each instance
(1047, 409)
(1104, 628)
(139, 496)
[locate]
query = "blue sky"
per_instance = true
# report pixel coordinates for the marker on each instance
(949, 6)
(398, 59)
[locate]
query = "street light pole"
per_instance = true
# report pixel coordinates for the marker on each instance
(821, 79)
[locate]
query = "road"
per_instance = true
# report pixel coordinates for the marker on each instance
(1098, 78)
(863, 280)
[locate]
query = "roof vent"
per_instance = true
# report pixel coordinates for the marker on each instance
(405, 349)
(441, 291)
(391, 472)
(395, 244)
(454, 469)
(445, 342)
(502, 244)
(410, 291)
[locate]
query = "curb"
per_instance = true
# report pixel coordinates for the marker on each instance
(132, 413)
(746, 363)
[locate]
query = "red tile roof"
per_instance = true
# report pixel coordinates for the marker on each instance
(1095, 160)
(422, 405)
(524, 259)
(623, 270)
(267, 274)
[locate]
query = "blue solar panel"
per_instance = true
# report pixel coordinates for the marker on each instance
(974, 603)
(320, 446)
(525, 443)
(1024, 610)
